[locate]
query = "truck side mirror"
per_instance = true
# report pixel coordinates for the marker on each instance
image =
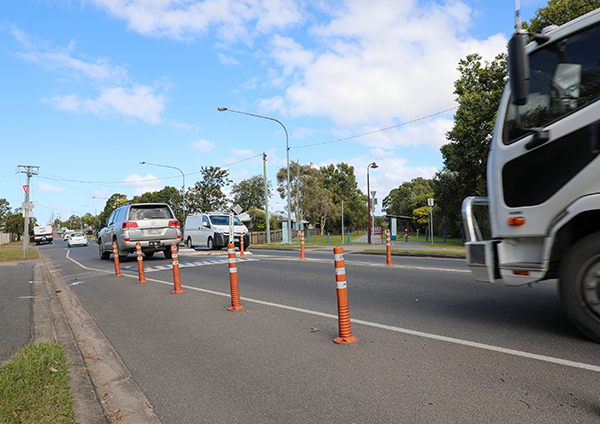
(518, 69)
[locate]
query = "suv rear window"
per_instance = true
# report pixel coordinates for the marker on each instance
(149, 212)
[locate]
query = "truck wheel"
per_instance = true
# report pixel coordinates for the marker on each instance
(579, 286)
(103, 255)
(168, 253)
(210, 244)
(189, 243)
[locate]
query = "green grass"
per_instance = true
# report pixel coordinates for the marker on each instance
(33, 387)
(14, 252)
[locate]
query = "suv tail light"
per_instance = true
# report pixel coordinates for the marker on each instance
(130, 225)
(174, 223)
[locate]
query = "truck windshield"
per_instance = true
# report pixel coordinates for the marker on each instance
(564, 77)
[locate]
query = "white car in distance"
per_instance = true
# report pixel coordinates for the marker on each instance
(77, 238)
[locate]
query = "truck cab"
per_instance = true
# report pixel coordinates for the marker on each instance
(543, 172)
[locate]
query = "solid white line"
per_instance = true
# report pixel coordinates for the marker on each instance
(374, 264)
(446, 339)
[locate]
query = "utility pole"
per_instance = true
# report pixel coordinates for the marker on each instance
(266, 198)
(29, 170)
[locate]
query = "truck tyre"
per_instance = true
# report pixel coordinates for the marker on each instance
(579, 285)
(168, 253)
(210, 244)
(189, 243)
(103, 255)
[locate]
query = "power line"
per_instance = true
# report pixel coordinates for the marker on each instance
(376, 131)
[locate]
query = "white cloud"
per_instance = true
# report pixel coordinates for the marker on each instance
(117, 94)
(241, 153)
(378, 63)
(138, 102)
(202, 146)
(142, 185)
(231, 20)
(61, 59)
(227, 60)
(47, 188)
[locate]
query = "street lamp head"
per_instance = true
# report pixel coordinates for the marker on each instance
(221, 109)
(141, 163)
(374, 165)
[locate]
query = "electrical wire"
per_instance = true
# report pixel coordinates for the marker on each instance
(376, 131)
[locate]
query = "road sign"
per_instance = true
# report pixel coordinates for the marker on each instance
(27, 206)
(237, 209)
(25, 188)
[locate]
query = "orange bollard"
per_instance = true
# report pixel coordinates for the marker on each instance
(140, 261)
(116, 258)
(389, 248)
(302, 258)
(233, 280)
(242, 246)
(176, 280)
(346, 336)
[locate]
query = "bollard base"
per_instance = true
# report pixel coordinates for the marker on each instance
(345, 340)
(177, 291)
(142, 281)
(235, 308)
(118, 275)
(389, 264)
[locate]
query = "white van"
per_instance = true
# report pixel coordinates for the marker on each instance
(211, 230)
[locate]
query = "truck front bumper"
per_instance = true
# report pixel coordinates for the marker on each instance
(482, 256)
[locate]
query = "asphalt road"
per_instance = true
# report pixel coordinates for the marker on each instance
(433, 345)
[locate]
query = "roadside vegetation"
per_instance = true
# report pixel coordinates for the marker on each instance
(14, 252)
(34, 387)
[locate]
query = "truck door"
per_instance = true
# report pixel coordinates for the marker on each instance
(537, 178)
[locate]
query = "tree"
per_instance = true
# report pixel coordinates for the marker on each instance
(408, 197)
(559, 12)
(341, 182)
(112, 203)
(301, 176)
(4, 209)
(250, 193)
(321, 207)
(15, 224)
(207, 195)
(478, 91)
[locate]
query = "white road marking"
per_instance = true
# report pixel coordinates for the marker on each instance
(482, 346)
(374, 264)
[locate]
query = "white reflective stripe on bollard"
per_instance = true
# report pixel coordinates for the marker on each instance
(233, 270)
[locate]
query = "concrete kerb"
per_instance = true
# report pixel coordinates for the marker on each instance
(102, 386)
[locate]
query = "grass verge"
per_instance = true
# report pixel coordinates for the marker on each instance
(14, 252)
(33, 387)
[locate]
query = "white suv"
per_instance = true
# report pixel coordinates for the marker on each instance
(153, 225)
(211, 230)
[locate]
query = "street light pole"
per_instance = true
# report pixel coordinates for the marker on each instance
(369, 166)
(182, 175)
(287, 148)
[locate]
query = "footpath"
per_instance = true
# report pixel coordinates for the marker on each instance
(37, 306)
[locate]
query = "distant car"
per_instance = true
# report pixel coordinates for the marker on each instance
(77, 238)
(153, 225)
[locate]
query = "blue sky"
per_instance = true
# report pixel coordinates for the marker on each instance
(92, 87)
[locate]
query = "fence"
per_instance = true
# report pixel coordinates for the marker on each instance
(6, 238)
(259, 237)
